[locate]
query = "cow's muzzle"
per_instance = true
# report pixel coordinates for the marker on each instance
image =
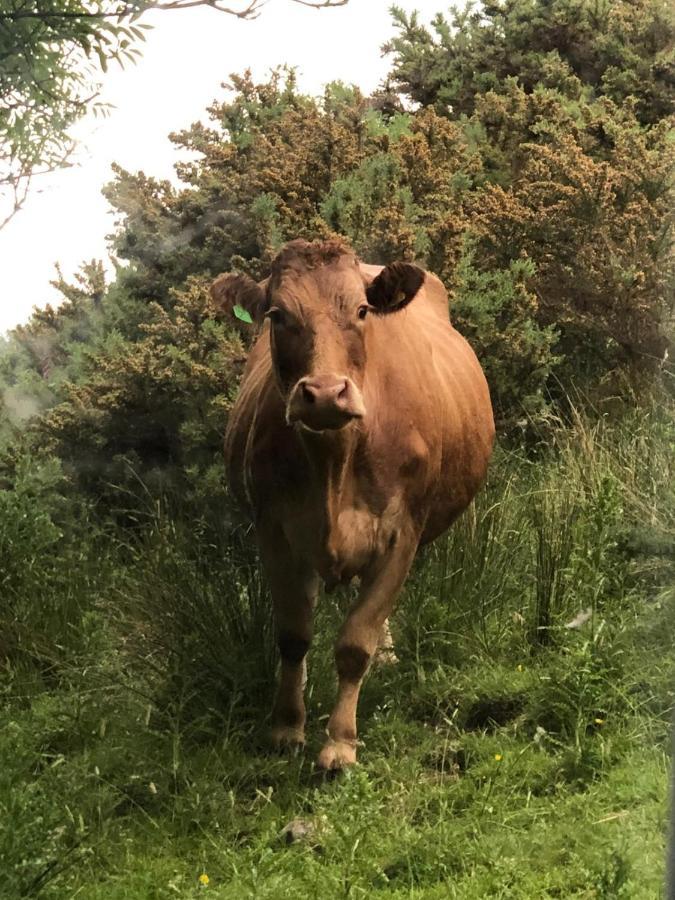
(323, 402)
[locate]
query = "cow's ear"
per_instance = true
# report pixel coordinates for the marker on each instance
(239, 296)
(395, 286)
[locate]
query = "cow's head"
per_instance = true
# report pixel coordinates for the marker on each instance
(319, 304)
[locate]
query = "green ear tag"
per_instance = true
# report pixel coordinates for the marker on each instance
(242, 314)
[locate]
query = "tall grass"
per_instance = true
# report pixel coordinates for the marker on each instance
(138, 664)
(197, 623)
(555, 533)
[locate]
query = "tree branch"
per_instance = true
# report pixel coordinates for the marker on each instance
(20, 193)
(19, 184)
(251, 11)
(325, 5)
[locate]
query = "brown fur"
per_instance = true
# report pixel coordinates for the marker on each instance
(358, 500)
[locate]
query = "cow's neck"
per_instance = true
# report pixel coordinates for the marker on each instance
(345, 529)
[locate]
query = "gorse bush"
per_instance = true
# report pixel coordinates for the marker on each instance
(497, 312)
(151, 409)
(538, 186)
(616, 50)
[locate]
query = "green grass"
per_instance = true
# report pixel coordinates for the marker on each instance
(506, 755)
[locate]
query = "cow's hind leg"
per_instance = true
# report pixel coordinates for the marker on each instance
(294, 589)
(356, 645)
(386, 652)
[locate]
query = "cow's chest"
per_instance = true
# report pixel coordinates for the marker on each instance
(342, 533)
(340, 516)
(354, 539)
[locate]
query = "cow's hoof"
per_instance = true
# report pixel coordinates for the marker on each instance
(287, 738)
(336, 755)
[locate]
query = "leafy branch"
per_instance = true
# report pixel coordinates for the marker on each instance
(249, 11)
(51, 52)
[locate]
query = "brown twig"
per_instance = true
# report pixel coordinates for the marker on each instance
(252, 11)
(325, 5)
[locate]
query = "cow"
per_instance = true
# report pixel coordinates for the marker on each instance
(362, 429)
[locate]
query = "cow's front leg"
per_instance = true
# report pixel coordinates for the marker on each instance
(356, 644)
(294, 588)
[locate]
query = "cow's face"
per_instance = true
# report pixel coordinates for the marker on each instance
(319, 320)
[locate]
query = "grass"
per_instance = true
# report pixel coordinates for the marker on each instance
(506, 755)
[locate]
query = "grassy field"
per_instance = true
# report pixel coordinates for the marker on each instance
(519, 748)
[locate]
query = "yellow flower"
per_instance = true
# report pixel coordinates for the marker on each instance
(519, 667)
(599, 721)
(204, 879)
(498, 757)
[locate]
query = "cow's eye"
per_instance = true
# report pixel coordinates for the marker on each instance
(363, 311)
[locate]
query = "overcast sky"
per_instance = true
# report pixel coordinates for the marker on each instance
(187, 56)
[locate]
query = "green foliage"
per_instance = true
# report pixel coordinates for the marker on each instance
(197, 614)
(29, 531)
(51, 53)
(406, 201)
(614, 49)
(587, 199)
(150, 411)
(497, 311)
(569, 106)
(51, 569)
(370, 204)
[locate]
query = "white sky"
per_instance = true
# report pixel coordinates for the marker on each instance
(187, 56)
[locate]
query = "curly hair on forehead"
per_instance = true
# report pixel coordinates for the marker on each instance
(302, 256)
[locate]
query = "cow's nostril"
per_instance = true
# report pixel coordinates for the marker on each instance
(325, 402)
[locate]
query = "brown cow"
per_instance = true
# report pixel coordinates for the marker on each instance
(362, 429)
